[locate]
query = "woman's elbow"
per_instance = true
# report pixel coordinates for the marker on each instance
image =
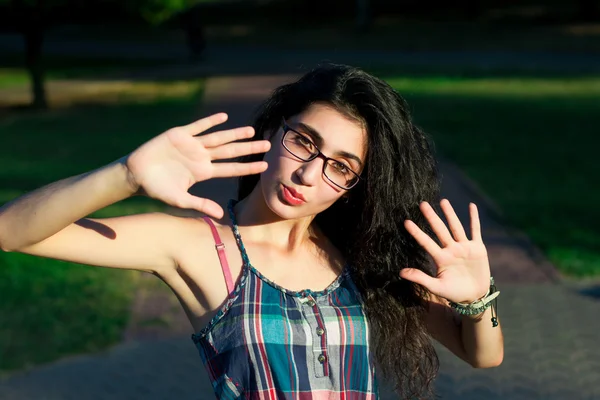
(489, 363)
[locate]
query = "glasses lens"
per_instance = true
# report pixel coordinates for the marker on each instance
(299, 145)
(340, 174)
(302, 147)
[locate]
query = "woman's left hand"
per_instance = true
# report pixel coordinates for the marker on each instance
(463, 269)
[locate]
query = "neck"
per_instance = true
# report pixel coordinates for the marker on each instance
(260, 224)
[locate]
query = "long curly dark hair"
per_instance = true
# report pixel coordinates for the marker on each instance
(368, 229)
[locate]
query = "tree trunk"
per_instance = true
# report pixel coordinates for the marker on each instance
(34, 37)
(363, 15)
(31, 17)
(193, 27)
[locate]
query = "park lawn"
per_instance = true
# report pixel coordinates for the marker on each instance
(11, 77)
(531, 145)
(13, 72)
(49, 308)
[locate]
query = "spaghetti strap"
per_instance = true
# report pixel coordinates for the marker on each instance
(221, 252)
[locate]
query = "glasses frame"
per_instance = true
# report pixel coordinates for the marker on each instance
(286, 128)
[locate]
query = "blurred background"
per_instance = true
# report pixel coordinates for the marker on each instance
(508, 90)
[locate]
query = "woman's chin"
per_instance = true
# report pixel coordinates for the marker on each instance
(281, 208)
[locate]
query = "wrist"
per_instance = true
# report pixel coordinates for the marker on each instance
(133, 187)
(471, 301)
(473, 317)
(475, 310)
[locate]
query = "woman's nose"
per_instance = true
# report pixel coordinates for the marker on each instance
(310, 171)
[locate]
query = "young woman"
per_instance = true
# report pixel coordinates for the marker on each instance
(321, 274)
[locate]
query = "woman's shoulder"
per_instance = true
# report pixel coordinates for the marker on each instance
(200, 228)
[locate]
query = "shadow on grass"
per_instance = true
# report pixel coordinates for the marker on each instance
(50, 308)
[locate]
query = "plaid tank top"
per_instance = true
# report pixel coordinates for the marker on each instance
(267, 342)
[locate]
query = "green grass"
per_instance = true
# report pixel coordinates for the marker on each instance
(11, 77)
(531, 145)
(49, 308)
(13, 72)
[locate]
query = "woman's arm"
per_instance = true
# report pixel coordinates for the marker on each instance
(462, 276)
(473, 339)
(483, 343)
(45, 211)
(50, 221)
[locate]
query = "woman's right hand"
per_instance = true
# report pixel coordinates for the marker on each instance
(166, 166)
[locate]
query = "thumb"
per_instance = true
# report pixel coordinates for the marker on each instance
(420, 277)
(205, 206)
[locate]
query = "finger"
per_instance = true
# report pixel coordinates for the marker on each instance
(205, 206)
(234, 150)
(455, 225)
(204, 124)
(420, 277)
(219, 138)
(226, 170)
(436, 223)
(422, 238)
(475, 223)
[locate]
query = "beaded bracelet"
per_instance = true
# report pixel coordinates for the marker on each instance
(479, 306)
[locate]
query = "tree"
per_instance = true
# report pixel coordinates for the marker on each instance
(32, 18)
(29, 18)
(183, 13)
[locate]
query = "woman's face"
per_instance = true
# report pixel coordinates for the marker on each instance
(293, 188)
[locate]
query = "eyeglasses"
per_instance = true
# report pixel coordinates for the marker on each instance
(302, 147)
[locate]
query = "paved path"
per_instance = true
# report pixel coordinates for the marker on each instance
(551, 330)
(551, 354)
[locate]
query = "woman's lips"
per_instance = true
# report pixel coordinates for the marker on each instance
(292, 197)
(295, 193)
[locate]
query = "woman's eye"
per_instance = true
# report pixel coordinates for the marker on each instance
(303, 141)
(340, 167)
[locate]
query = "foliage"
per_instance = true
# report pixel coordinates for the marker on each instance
(158, 11)
(68, 11)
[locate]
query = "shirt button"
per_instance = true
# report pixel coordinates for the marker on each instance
(320, 331)
(321, 358)
(311, 303)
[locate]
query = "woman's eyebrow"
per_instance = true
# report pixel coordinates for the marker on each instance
(312, 132)
(319, 139)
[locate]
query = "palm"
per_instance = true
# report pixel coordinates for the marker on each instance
(463, 271)
(169, 164)
(173, 164)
